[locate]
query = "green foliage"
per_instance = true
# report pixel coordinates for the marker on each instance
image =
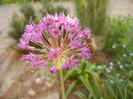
(93, 13)
(49, 8)
(120, 33)
(24, 1)
(28, 14)
(16, 1)
(0, 2)
(28, 11)
(0, 32)
(17, 27)
(119, 43)
(85, 70)
(18, 23)
(102, 89)
(80, 95)
(71, 86)
(17, 95)
(99, 83)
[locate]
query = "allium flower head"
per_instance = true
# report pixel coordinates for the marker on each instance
(60, 42)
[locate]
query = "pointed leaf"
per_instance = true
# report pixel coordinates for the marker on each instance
(71, 86)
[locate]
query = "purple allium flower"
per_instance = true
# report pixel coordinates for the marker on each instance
(71, 62)
(53, 70)
(60, 42)
(84, 53)
(64, 67)
(54, 53)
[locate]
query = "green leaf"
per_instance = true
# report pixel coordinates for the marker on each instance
(71, 86)
(87, 86)
(80, 95)
(69, 72)
(111, 90)
(82, 63)
(91, 72)
(120, 90)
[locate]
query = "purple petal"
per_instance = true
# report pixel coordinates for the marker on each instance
(74, 65)
(76, 60)
(51, 57)
(64, 66)
(69, 66)
(53, 70)
(71, 58)
(31, 48)
(45, 64)
(22, 46)
(57, 49)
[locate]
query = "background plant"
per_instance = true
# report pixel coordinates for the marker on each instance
(85, 72)
(18, 22)
(29, 14)
(117, 79)
(120, 33)
(16, 1)
(100, 81)
(93, 13)
(119, 44)
(47, 7)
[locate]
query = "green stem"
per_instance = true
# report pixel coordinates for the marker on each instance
(62, 84)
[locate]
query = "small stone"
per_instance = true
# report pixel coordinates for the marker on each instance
(44, 88)
(31, 92)
(32, 71)
(49, 84)
(38, 81)
(55, 95)
(48, 78)
(42, 77)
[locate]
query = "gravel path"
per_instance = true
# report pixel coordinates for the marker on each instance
(5, 15)
(123, 7)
